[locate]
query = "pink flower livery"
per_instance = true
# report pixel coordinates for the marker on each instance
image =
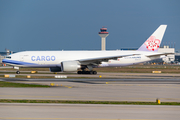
(152, 43)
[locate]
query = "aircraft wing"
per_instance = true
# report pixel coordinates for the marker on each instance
(102, 59)
(155, 55)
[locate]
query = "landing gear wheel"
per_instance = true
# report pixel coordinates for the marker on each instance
(87, 72)
(79, 72)
(94, 72)
(83, 72)
(90, 72)
(17, 72)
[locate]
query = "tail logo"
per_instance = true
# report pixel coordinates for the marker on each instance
(152, 43)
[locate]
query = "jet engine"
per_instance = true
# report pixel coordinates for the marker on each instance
(70, 66)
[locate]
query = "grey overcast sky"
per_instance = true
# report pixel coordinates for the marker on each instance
(74, 24)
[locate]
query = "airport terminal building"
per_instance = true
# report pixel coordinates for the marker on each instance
(169, 58)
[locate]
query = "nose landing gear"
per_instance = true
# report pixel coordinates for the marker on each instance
(17, 72)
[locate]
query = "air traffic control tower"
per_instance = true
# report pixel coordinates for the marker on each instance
(103, 34)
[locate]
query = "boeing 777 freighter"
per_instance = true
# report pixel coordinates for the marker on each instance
(69, 61)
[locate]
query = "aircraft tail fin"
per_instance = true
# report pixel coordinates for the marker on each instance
(154, 41)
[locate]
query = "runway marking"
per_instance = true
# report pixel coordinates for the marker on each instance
(68, 86)
(70, 119)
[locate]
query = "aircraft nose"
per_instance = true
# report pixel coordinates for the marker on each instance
(4, 61)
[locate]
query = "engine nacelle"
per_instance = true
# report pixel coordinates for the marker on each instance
(70, 66)
(55, 69)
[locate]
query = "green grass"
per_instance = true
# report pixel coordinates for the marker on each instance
(11, 84)
(87, 102)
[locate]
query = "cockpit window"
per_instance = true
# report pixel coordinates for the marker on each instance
(8, 57)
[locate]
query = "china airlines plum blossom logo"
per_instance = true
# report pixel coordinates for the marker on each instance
(152, 43)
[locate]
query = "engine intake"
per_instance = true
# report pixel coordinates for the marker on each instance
(70, 66)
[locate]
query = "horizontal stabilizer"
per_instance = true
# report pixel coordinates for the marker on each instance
(155, 55)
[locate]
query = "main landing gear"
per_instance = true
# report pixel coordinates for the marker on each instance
(87, 72)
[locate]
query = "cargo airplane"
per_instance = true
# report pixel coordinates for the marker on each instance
(84, 61)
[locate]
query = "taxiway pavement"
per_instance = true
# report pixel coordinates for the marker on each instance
(33, 111)
(139, 88)
(97, 89)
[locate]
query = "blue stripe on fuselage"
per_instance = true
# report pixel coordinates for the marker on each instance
(17, 62)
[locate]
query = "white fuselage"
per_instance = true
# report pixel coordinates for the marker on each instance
(54, 58)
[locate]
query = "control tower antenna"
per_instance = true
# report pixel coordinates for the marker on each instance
(103, 34)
